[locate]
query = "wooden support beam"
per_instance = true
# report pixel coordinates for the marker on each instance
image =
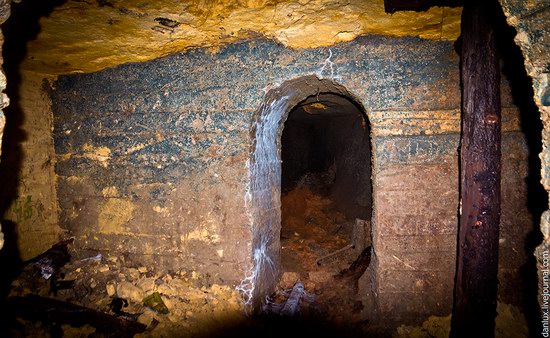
(474, 309)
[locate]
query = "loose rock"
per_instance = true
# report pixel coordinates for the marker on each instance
(288, 279)
(129, 291)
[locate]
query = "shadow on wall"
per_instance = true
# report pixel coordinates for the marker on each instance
(21, 27)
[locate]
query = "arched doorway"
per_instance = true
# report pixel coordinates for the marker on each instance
(352, 194)
(326, 200)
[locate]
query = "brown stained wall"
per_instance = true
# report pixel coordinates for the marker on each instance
(416, 206)
(167, 142)
(34, 208)
(415, 229)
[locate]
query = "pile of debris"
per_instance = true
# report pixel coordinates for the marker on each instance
(100, 295)
(323, 254)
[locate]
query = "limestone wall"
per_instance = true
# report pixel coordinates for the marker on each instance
(28, 169)
(91, 35)
(132, 145)
(152, 157)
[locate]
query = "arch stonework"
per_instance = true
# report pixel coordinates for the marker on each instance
(264, 190)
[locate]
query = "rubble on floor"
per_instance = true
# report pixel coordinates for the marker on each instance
(105, 285)
(510, 323)
(318, 244)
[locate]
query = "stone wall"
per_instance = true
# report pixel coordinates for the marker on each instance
(152, 157)
(158, 161)
(529, 18)
(28, 169)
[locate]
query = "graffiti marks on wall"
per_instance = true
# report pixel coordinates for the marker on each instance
(26, 210)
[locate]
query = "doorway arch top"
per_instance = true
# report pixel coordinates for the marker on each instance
(290, 93)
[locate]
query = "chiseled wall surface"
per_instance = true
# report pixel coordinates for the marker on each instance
(152, 157)
(130, 31)
(29, 172)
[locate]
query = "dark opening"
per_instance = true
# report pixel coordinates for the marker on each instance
(326, 201)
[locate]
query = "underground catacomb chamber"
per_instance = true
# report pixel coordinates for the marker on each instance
(326, 201)
(217, 178)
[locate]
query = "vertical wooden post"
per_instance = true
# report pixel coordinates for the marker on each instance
(474, 309)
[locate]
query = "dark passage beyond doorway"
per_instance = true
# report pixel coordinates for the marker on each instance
(327, 136)
(326, 201)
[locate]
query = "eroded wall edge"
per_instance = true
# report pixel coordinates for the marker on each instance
(529, 19)
(4, 100)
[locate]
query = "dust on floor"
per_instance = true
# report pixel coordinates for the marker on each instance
(195, 308)
(318, 243)
(312, 231)
(510, 323)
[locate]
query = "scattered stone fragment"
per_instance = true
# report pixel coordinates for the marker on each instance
(103, 268)
(146, 284)
(129, 291)
(288, 279)
(132, 274)
(191, 306)
(146, 318)
(111, 290)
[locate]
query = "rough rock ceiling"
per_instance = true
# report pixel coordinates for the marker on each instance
(324, 106)
(89, 35)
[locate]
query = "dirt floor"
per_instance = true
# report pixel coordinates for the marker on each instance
(318, 247)
(103, 295)
(188, 308)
